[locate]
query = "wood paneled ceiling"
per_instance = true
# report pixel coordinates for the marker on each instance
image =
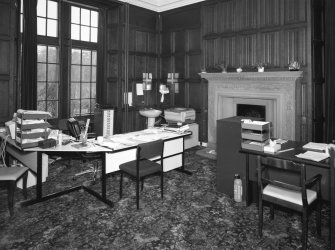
(161, 5)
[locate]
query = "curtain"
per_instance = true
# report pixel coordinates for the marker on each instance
(29, 56)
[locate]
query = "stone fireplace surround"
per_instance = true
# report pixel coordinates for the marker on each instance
(279, 91)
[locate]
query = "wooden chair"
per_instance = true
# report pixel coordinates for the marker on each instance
(301, 198)
(10, 176)
(144, 165)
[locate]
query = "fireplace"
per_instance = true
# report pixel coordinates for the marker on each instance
(278, 93)
(250, 110)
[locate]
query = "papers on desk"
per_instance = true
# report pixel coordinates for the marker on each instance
(314, 146)
(313, 156)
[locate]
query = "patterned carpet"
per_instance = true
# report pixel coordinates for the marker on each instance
(192, 215)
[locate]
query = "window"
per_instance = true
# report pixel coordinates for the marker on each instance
(48, 79)
(63, 80)
(84, 24)
(83, 81)
(47, 18)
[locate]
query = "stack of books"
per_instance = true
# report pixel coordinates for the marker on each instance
(177, 128)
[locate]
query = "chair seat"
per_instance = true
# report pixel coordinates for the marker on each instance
(11, 173)
(146, 168)
(289, 195)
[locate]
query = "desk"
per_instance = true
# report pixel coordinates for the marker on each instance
(111, 157)
(328, 164)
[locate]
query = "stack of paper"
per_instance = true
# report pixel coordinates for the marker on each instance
(314, 156)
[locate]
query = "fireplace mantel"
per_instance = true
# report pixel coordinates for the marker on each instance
(279, 91)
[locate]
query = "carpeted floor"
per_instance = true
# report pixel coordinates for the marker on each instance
(192, 215)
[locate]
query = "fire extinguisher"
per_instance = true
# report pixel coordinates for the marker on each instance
(238, 188)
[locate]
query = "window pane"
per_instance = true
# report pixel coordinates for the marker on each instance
(76, 56)
(75, 33)
(52, 54)
(94, 35)
(41, 105)
(75, 73)
(85, 106)
(85, 17)
(41, 23)
(94, 69)
(41, 91)
(52, 107)
(86, 57)
(52, 9)
(75, 15)
(94, 57)
(41, 8)
(85, 33)
(92, 105)
(75, 108)
(41, 72)
(52, 91)
(41, 53)
(53, 72)
(94, 18)
(93, 90)
(86, 74)
(75, 90)
(85, 90)
(52, 28)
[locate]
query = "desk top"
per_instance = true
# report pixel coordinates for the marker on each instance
(112, 143)
(289, 155)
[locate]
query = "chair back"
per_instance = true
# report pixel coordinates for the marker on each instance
(295, 174)
(150, 149)
(74, 128)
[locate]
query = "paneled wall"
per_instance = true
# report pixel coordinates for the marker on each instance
(132, 47)
(275, 32)
(182, 53)
(7, 60)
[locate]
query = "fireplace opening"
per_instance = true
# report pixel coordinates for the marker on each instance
(250, 110)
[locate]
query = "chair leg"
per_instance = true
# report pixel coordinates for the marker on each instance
(137, 193)
(24, 184)
(162, 184)
(272, 214)
(260, 217)
(318, 218)
(142, 184)
(304, 228)
(120, 190)
(11, 189)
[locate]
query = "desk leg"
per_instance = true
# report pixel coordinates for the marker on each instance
(182, 168)
(332, 205)
(39, 176)
(103, 176)
(248, 187)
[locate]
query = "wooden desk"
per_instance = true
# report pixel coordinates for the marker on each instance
(111, 158)
(328, 164)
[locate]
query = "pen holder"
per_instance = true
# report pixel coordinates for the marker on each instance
(83, 139)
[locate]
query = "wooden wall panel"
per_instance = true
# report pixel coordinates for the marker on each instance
(4, 97)
(140, 41)
(226, 13)
(269, 13)
(8, 61)
(248, 50)
(227, 51)
(295, 11)
(5, 13)
(269, 49)
(295, 45)
(193, 66)
(246, 14)
(5, 54)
